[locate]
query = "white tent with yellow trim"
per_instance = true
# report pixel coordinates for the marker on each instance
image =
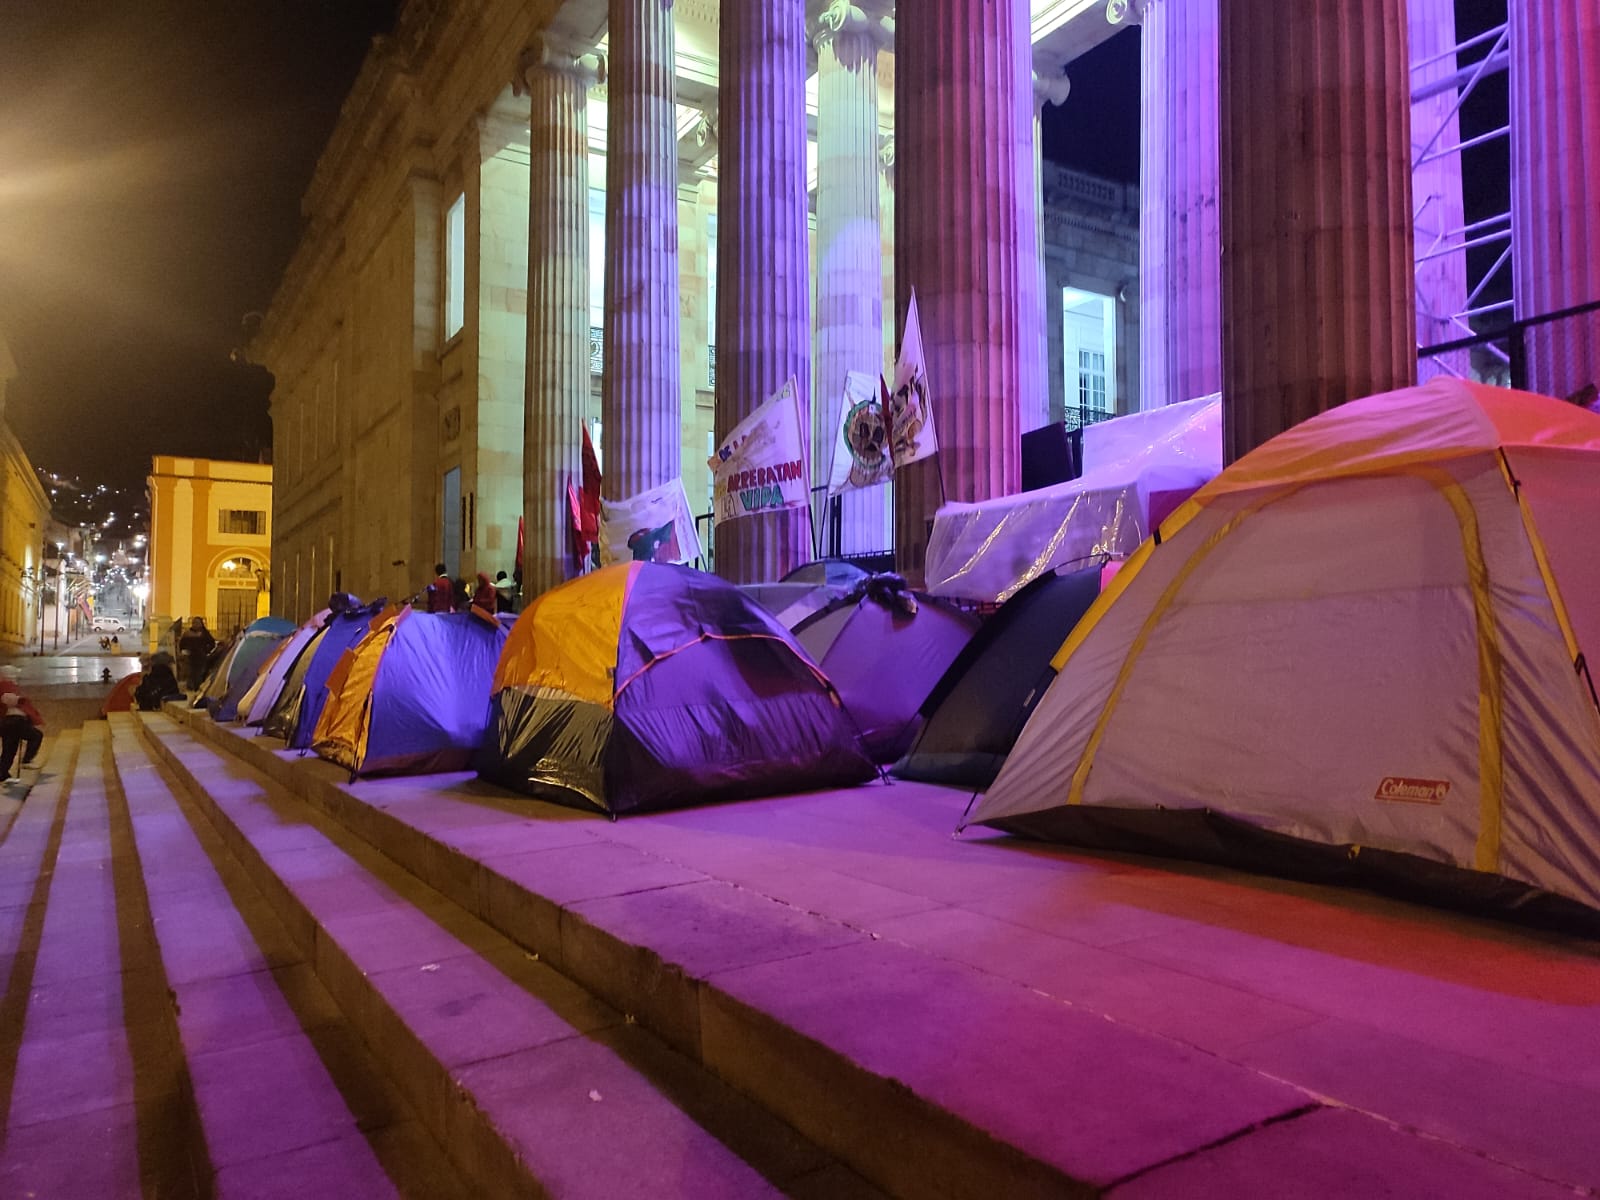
(1357, 653)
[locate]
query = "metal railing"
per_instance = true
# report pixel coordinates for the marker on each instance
(1557, 353)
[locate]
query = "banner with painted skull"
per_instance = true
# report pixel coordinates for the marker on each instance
(761, 465)
(861, 451)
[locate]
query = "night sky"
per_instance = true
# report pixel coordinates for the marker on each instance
(152, 158)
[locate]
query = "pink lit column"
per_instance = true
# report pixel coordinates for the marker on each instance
(1555, 185)
(1180, 242)
(1436, 185)
(763, 258)
(1317, 269)
(639, 393)
(849, 245)
(957, 238)
(558, 305)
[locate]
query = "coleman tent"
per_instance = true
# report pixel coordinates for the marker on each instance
(294, 715)
(412, 696)
(646, 686)
(258, 700)
(240, 664)
(974, 714)
(884, 647)
(1358, 653)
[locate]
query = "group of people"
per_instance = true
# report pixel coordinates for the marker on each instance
(488, 598)
(193, 648)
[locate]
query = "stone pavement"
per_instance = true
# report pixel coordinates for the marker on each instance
(950, 1015)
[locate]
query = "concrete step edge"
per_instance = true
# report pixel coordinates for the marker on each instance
(491, 1158)
(927, 1148)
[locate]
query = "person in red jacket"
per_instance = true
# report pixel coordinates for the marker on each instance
(441, 592)
(20, 723)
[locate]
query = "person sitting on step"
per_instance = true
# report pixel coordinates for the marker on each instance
(20, 723)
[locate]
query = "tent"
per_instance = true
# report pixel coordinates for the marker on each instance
(294, 716)
(1357, 654)
(258, 700)
(884, 648)
(807, 589)
(412, 696)
(974, 714)
(240, 664)
(647, 686)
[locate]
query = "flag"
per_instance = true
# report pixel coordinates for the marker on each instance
(761, 466)
(861, 451)
(654, 526)
(522, 529)
(583, 506)
(909, 419)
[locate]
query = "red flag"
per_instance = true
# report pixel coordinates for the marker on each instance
(591, 491)
(516, 570)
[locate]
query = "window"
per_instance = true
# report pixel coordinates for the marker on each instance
(455, 267)
(1089, 356)
(1092, 380)
(242, 520)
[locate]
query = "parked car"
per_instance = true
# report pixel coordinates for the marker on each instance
(109, 625)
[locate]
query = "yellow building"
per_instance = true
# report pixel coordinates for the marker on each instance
(210, 544)
(24, 510)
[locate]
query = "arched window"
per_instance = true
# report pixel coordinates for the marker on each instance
(239, 579)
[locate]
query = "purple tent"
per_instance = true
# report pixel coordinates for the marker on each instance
(885, 648)
(294, 716)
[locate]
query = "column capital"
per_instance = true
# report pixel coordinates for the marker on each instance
(870, 19)
(1050, 89)
(1127, 12)
(553, 54)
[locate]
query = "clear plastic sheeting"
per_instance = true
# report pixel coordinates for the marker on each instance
(1137, 469)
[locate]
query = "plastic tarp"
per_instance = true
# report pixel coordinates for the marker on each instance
(708, 698)
(1355, 647)
(1137, 469)
(885, 660)
(412, 696)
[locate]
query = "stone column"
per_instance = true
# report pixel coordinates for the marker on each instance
(1555, 185)
(1317, 280)
(956, 239)
(557, 82)
(849, 261)
(1436, 185)
(1180, 243)
(1047, 84)
(639, 390)
(763, 259)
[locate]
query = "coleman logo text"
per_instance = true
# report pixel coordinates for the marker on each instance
(1413, 791)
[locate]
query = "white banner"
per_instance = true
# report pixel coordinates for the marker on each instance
(861, 450)
(910, 420)
(761, 467)
(654, 526)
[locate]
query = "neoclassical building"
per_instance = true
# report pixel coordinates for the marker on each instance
(24, 517)
(533, 219)
(640, 217)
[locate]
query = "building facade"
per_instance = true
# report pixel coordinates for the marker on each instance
(24, 516)
(210, 544)
(493, 161)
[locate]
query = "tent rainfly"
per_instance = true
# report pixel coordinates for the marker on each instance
(239, 665)
(294, 717)
(412, 696)
(1359, 653)
(645, 686)
(257, 702)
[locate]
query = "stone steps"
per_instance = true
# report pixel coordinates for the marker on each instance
(531, 1084)
(920, 1075)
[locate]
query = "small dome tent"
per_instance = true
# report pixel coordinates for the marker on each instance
(257, 702)
(294, 717)
(239, 665)
(412, 696)
(1358, 653)
(884, 647)
(646, 686)
(974, 713)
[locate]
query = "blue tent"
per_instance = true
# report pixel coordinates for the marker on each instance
(240, 665)
(413, 695)
(294, 716)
